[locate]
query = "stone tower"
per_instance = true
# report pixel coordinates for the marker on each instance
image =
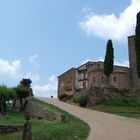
(135, 81)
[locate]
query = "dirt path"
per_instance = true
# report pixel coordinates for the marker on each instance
(103, 126)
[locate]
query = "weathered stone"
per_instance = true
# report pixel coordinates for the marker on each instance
(27, 133)
(10, 128)
(40, 112)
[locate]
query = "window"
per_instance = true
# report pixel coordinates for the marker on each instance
(84, 75)
(84, 84)
(114, 79)
(68, 86)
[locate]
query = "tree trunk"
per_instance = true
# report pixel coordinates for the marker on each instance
(14, 103)
(108, 81)
(21, 104)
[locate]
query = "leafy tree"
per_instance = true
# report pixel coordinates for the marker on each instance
(6, 95)
(137, 43)
(109, 60)
(22, 93)
(27, 83)
(23, 90)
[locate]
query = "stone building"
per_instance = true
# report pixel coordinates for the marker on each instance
(120, 78)
(135, 81)
(91, 74)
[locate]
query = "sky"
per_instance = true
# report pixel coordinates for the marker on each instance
(41, 39)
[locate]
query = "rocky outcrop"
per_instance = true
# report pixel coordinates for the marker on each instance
(97, 94)
(40, 112)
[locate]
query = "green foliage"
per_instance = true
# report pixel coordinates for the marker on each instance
(81, 100)
(71, 129)
(76, 99)
(128, 111)
(6, 94)
(22, 92)
(109, 58)
(27, 83)
(62, 96)
(137, 44)
(132, 102)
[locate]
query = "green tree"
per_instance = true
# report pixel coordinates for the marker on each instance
(109, 60)
(137, 43)
(27, 83)
(22, 93)
(6, 94)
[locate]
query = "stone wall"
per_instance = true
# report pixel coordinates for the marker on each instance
(132, 61)
(40, 112)
(66, 82)
(10, 128)
(97, 94)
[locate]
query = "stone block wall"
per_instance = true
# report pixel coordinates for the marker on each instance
(97, 94)
(40, 112)
(10, 128)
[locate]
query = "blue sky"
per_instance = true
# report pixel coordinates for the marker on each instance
(41, 39)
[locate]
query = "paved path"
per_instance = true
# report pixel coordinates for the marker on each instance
(103, 126)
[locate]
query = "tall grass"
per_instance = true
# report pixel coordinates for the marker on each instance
(133, 102)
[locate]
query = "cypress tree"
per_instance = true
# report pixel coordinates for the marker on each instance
(109, 59)
(137, 44)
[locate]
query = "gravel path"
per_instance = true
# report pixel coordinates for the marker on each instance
(103, 126)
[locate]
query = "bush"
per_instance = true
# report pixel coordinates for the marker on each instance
(76, 99)
(63, 96)
(6, 94)
(22, 92)
(81, 100)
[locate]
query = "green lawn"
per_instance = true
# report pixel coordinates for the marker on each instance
(71, 129)
(123, 107)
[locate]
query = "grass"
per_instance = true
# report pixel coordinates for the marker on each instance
(123, 107)
(71, 129)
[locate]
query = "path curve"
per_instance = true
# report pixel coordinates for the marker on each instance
(103, 126)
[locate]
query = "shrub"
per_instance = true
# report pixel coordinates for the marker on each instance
(6, 94)
(81, 100)
(63, 96)
(76, 99)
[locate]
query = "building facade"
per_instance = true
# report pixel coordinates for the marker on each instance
(91, 74)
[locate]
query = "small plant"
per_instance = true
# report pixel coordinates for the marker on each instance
(63, 96)
(76, 99)
(82, 100)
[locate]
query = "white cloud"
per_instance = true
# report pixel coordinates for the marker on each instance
(33, 60)
(10, 69)
(47, 90)
(110, 26)
(33, 77)
(13, 71)
(122, 63)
